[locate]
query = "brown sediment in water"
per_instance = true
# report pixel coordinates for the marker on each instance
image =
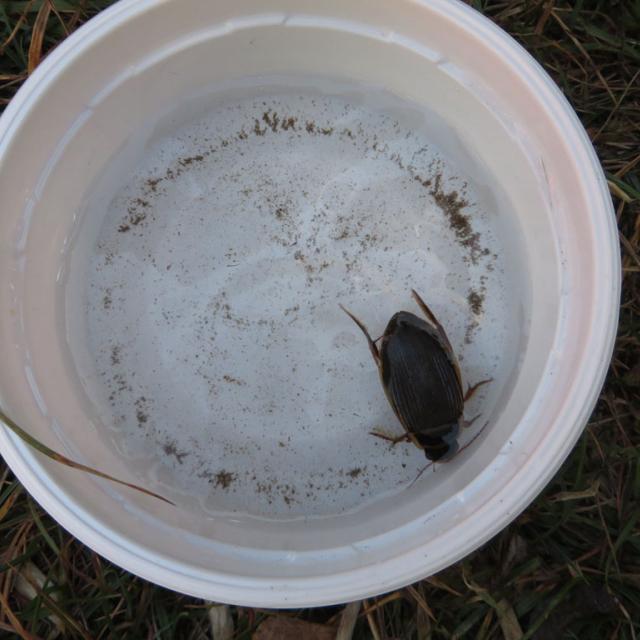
(107, 299)
(476, 301)
(232, 380)
(452, 204)
(171, 449)
(115, 355)
(354, 232)
(136, 215)
(224, 478)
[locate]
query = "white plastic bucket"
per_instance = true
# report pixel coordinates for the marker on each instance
(190, 188)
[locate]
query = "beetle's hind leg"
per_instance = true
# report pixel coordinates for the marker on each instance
(423, 305)
(372, 343)
(470, 391)
(482, 428)
(434, 321)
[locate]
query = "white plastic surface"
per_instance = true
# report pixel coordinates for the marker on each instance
(175, 247)
(225, 367)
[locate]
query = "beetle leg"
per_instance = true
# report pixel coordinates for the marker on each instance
(467, 423)
(461, 449)
(393, 439)
(444, 340)
(427, 312)
(371, 343)
(472, 389)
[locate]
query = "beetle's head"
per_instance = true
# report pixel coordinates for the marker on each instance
(442, 451)
(442, 447)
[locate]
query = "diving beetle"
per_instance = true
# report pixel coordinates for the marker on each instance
(421, 378)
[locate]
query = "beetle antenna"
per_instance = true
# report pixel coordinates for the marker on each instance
(458, 452)
(431, 464)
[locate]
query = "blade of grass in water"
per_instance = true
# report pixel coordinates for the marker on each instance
(58, 457)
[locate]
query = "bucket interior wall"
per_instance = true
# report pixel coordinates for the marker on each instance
(196, 226)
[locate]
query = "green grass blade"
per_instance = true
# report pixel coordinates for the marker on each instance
(58, 457)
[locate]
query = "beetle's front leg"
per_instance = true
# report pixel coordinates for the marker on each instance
(393, 439)
(470, 391)
(467, 423)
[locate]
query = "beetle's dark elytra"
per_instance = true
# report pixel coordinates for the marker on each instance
(419, 376)
(421, 379)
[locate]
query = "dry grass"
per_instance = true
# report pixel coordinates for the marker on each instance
(569, 567)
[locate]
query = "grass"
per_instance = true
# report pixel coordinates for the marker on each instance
(568, 567)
